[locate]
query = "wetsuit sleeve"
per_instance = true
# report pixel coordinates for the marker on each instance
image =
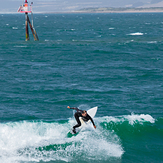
(91, 119)
(75, 109)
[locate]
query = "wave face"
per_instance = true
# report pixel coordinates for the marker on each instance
(36, 141)
(42, 141)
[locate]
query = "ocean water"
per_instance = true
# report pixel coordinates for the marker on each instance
(113, 61)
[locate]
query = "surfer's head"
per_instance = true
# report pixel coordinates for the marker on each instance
(84, 113)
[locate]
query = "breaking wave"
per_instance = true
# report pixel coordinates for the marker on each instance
(35, 141)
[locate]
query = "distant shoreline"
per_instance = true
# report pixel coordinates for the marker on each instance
(111, 10)
(102, 10)
(120, 10)
(150, 11)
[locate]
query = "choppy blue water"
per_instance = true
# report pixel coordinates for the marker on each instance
(113, 61)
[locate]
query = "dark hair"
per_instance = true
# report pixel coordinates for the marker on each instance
(84, 111)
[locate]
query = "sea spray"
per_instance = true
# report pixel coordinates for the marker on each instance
(38, 140)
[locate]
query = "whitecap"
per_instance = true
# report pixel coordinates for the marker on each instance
(140, 118)
(20, 46)
(133, 118)
(152, 42)
(136, 34)
(14, 27)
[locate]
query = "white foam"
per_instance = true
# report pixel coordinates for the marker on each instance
(136, 34)
(152, 42)
(26, 141)
(132, 119)
(20, 46)
(111, 28)
(140, 118)
(14, 27)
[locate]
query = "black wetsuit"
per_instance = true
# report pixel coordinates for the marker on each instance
(79, 114)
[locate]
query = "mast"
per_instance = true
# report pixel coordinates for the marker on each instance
(25, 9)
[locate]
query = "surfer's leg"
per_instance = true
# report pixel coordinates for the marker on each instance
(77, 125)
(78, 121)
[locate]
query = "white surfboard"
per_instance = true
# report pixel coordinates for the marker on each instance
(91, 112)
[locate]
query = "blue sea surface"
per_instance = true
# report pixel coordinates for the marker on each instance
(113, 61)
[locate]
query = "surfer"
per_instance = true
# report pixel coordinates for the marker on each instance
(85, 116)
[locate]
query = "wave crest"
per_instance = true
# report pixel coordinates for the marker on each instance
(43, 141)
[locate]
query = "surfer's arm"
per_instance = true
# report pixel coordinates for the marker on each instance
(92, 121)
(73, 108)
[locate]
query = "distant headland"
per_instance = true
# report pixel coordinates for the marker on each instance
(119, 10)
